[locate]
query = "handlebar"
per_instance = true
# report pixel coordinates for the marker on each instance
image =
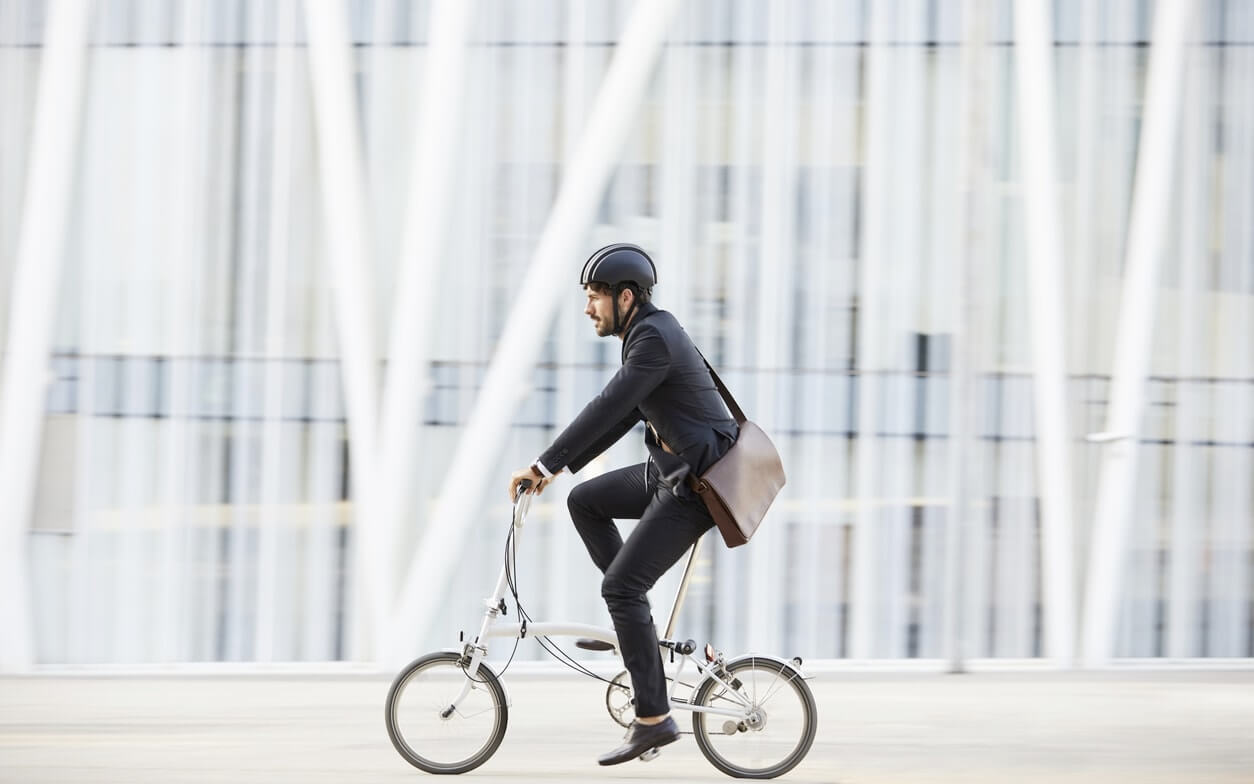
(522, 502)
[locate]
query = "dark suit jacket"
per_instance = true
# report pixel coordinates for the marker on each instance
(663, 381)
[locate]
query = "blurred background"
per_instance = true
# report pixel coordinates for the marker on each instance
(288, 288)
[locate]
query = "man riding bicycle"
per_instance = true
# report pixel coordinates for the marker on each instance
(664, 382)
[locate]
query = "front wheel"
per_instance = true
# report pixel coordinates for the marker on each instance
(443, 719)
(774, 719)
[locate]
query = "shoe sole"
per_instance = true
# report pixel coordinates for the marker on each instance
(652, 752)
(647, 749)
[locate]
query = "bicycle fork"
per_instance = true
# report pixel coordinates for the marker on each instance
(474, 652)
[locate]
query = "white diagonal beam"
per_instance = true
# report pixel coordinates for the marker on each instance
(1034, 71)
(1146, 237)
(351, 262)
(40, 247)
(436, 155)
(472, 472)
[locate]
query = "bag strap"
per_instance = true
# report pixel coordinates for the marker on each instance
(736, 413)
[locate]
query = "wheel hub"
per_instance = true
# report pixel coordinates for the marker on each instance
(756, 720)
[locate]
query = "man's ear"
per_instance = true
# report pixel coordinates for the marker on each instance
(630, 297)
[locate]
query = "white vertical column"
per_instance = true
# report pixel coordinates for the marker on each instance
(1150, 200)
(776, 261)
(183, 314)
(211, 614)
(133, 254)
(737, 285)
(351, 262)
(901, 268)
(1189, 464)
(720, 304)
(1037, 132)
(276, 457)
(842, 301)
(676, 164)
(468, 477)
(40, 250)
(964, 393)
(943, 256)
(821, 470)
(1090, 210)
(382, 117)
(432, 185)
(865, 599)
(244, 373)
(322, 595)
(1086, 109)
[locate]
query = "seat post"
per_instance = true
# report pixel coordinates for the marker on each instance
(683, 589)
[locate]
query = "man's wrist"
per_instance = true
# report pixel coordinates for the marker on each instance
(540, 471)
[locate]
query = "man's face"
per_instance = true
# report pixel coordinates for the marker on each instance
(601, 310)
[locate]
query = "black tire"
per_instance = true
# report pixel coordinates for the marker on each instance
(422, 694)
(745, 751)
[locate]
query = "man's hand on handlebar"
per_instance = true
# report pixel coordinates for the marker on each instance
(538, 483)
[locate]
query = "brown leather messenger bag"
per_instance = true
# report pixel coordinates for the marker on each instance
(739, 488)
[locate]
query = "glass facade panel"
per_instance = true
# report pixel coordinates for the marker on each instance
(798, 170)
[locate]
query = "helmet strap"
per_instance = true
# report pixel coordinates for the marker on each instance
(620, 322)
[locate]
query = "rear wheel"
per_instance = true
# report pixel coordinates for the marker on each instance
(775, 722)
(441, 718)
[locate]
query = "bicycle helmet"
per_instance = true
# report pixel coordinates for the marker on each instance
(620, 266)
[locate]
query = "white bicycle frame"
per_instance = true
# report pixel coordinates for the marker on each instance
(492, 627)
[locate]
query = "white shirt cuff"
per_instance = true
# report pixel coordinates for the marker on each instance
(547, 473)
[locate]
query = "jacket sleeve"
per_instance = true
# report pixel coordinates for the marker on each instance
(603, 443)
(612, 413)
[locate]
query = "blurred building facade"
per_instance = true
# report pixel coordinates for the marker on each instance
(194, 499)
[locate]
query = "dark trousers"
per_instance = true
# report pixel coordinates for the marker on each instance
(668, 526)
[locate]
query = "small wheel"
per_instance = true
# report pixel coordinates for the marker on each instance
(775, 719)
(442, 719)
(618, 700)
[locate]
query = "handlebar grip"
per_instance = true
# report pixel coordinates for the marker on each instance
(525, 484)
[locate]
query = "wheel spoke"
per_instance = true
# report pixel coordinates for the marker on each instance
(779, 684)
(754, 670)
(465, 715)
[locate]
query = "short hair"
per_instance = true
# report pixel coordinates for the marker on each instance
(642, 295)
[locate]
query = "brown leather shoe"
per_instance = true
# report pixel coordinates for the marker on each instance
(641, 738)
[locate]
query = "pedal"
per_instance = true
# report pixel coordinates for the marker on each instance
(651, 754)
(593, 645)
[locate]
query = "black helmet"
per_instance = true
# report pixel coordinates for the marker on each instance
(620, 266)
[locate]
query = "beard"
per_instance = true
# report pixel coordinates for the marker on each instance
(603, 328)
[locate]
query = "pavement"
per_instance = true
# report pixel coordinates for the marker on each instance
(1142, 727)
